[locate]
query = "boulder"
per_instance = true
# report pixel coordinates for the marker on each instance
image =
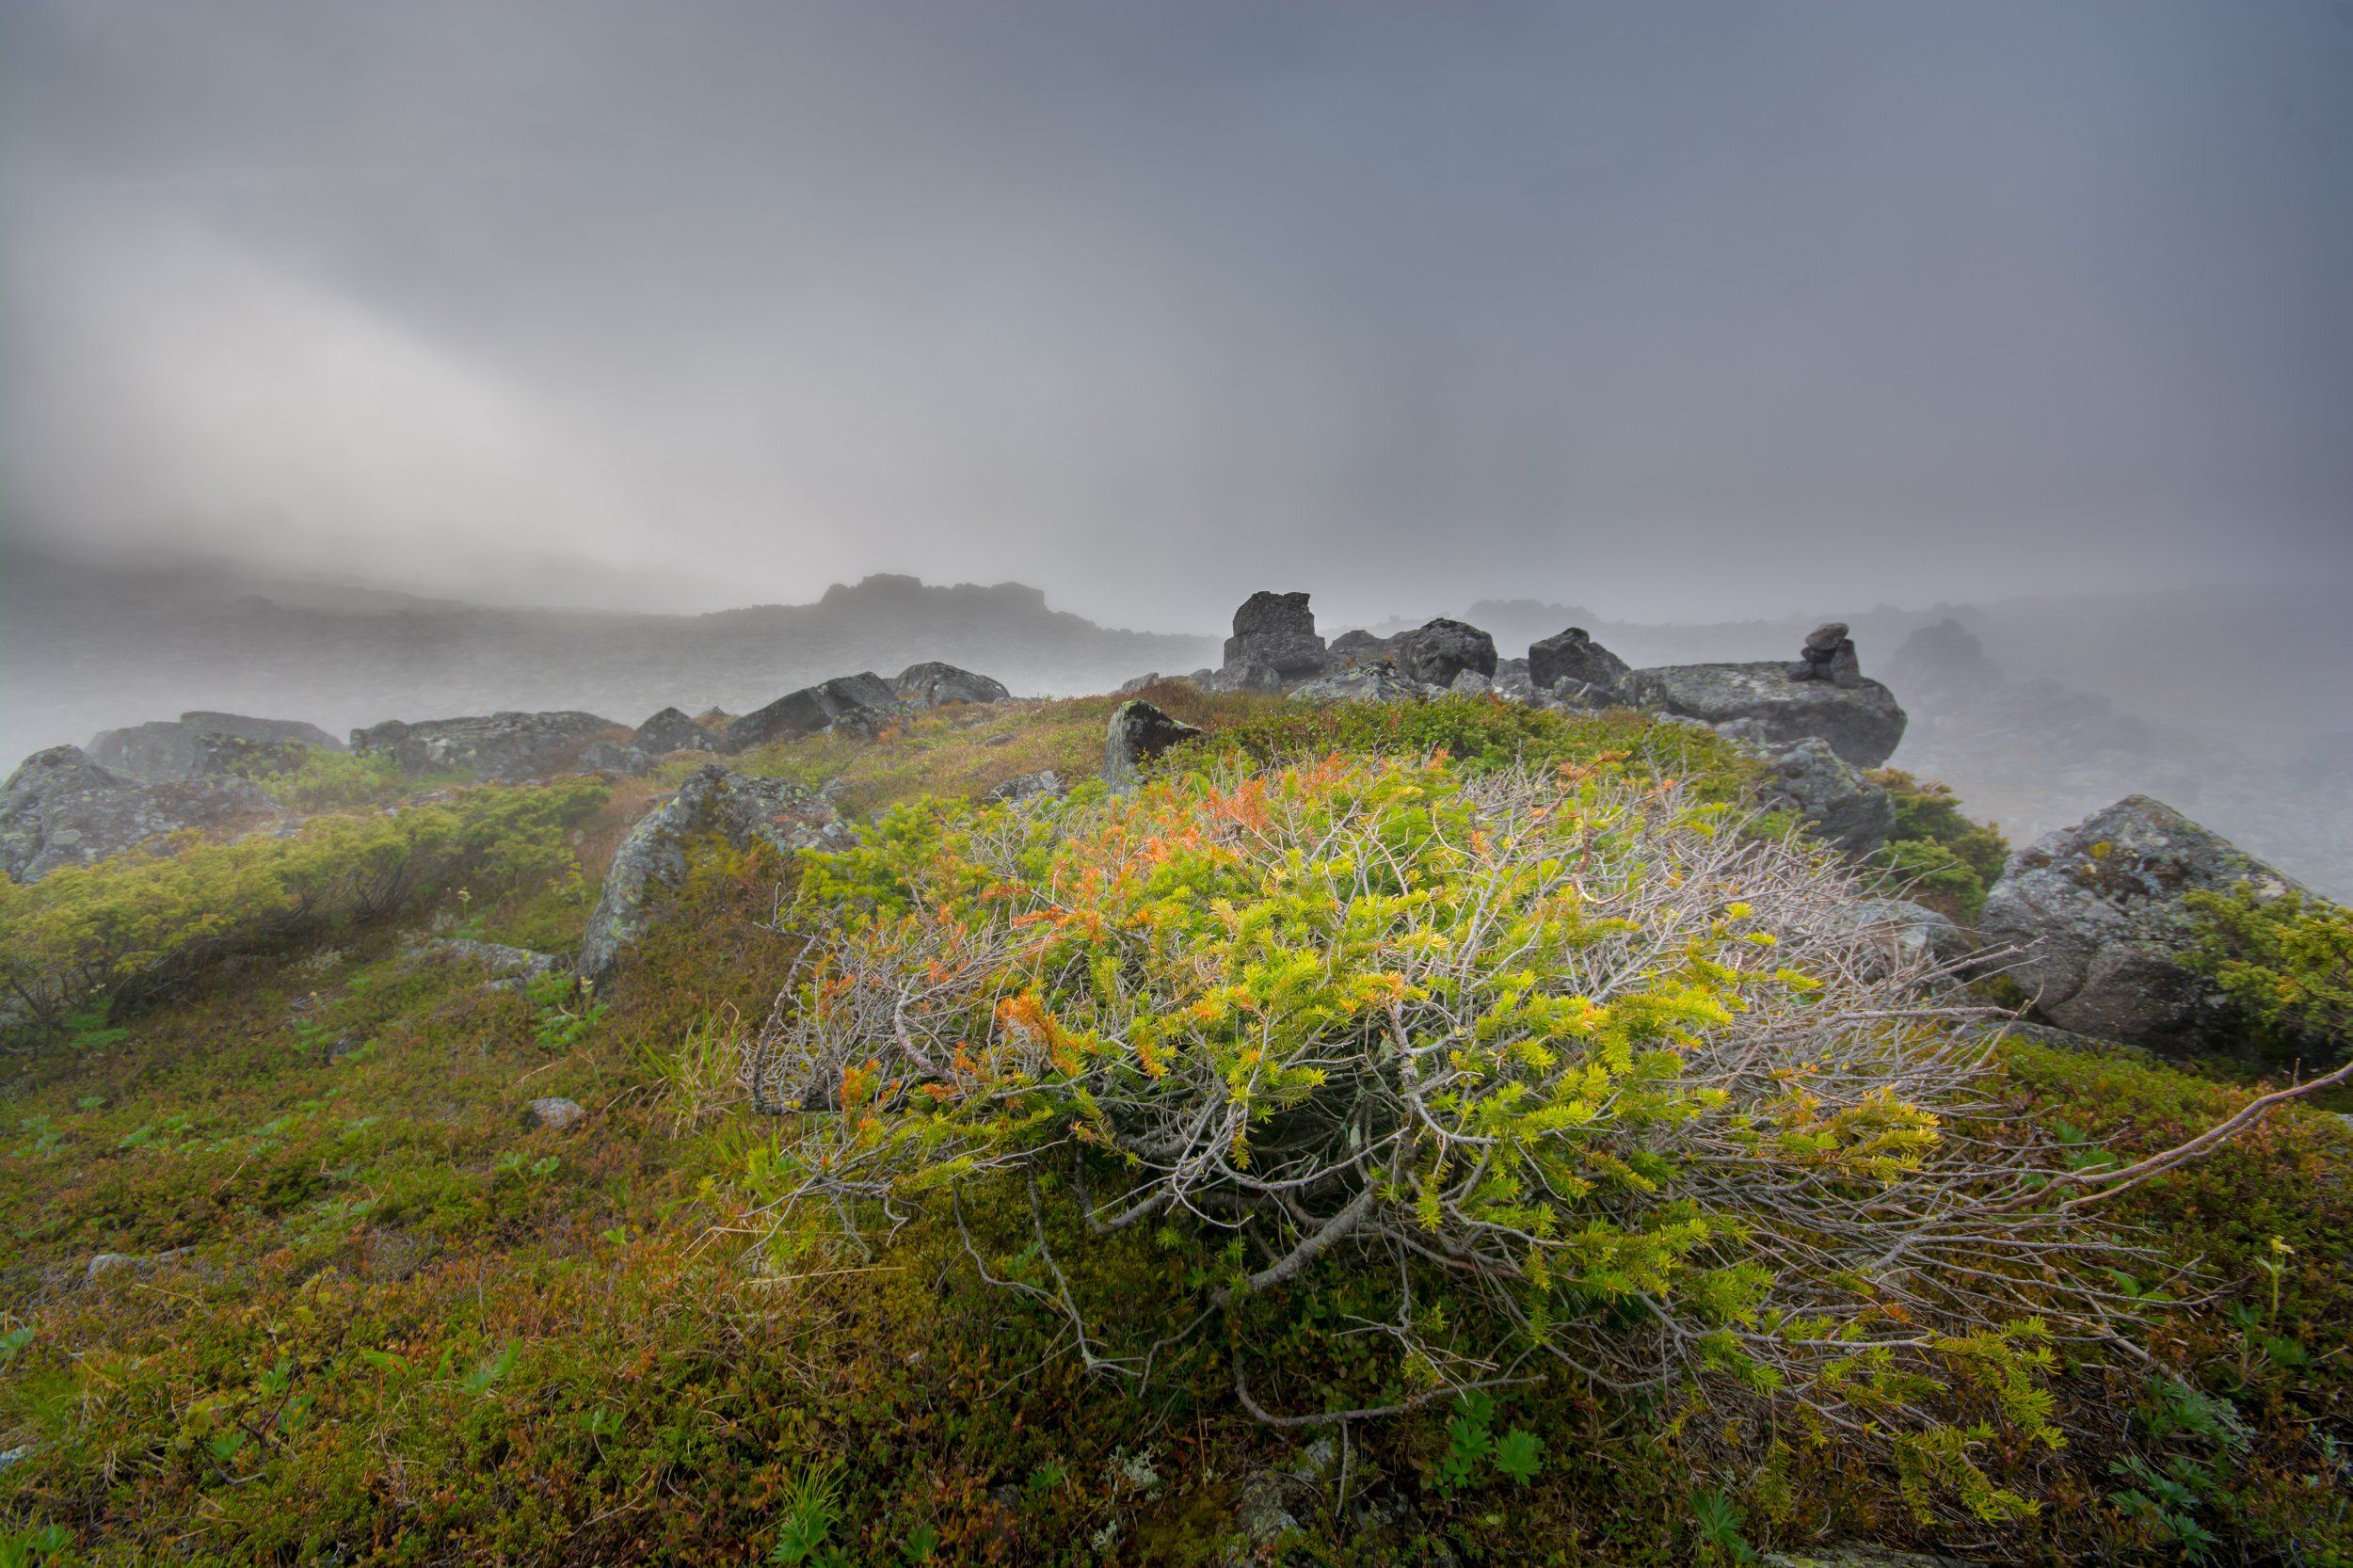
(937, 685)
(1138, 733)
(61, 808)
(1277, 631)
(1829, 794)
(1471, 683)
(503, 747)
(208, 745)
(1359, 645)
(861, 703)
(1573, 655)
(1367, 681)
(1442, 650)
(651, 862)
(1906, 933)
(614, 757)
(1129, 688)
(672, 730)
(2097, 910)
(1044, 785)
(1860, 723)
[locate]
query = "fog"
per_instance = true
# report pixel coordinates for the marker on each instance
(1697, 322)
(1686, 311)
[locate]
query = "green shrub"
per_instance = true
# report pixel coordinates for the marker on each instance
(336, 780)
(2287, 962)
(1560, 1079)
(133, 926)
(1936, 852)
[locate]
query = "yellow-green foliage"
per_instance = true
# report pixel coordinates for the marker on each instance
(133, 925)
(1938, 855)
(336, 780)
(2287, 961)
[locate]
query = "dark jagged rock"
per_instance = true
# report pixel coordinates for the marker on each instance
(1828, 655)
(1841, 806)
(1435, 653)
(503, 747)
(2098, 910)
(1573, 655)
(61, 808)
(858, 702)
(1862, 723)
(932, 684)
(651, 862)
(1137, 733)
(1277, 631)
(672, 730)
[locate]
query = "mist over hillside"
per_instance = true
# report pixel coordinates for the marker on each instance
(2038, 711)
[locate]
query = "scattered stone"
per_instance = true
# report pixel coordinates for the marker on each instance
(553, 1114)
(1438, 651)
(1862, 723)
(505, 747)
(671, 731)
(614, 757)
(1471, 683)
(1277, 633)
(937, 685)
(1371, 680)
(1829, 794)
(2097, 909)
(107, 1263)
(1828, 655)
(61, 808)
(1138, 733)
(1573, 655)
(652, 859)
(1029, 786)
(860, 703)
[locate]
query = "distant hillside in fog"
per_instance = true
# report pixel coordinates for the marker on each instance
(85, 647)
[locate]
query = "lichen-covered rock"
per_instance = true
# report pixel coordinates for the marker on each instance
(861, 703)
(1437, 652)
(672, 730)
(204, 745)
(2097, 909)
(554, 1113)
(614, 757)
(651, 862)
(1275, 633)
(1573, 655)
(932, 684)
(1809, 779)
(1044, 785)
(1369, 681)
(1137, 733)
(1862, 723)
(61, 808)
(507, 967)
(503, 747)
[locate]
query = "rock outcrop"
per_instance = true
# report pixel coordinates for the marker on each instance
(862, 702)
(614, 757)
(2097, 909)
(202, 744)
(1862, 723)
(1273, 633)
(1358, 680)
(1574, 656)
(672, 730)
(651, 862)
(1137, 733)
(932, 684)
(501, 748)
(1828, 794)
(61, 808)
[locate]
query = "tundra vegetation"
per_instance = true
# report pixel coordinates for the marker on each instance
(1465, 1125)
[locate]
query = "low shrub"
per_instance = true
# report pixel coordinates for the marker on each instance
(2287, 962)
(1940, 855)
(1563, 1079)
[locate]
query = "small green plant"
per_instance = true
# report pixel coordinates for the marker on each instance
(32, 1547)
(563, 1012)
(813, 1506)
(1471, 1446)
(1717, 1522)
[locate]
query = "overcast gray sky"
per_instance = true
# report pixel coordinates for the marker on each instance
(1673, 310)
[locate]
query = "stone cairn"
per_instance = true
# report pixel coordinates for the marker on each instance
(1829, 655)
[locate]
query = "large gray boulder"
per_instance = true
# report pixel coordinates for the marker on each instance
(1809, 779)
(2097, 909)
(651, 862)
(61, 808)
(503, 748)
(1361, 680)
(1573, 655)
(1275, 633)
(932, 684)
(200, 744)
(1862, 723)
(861, 703)
(672, 730)
(1137, 733)
(1438, 651)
